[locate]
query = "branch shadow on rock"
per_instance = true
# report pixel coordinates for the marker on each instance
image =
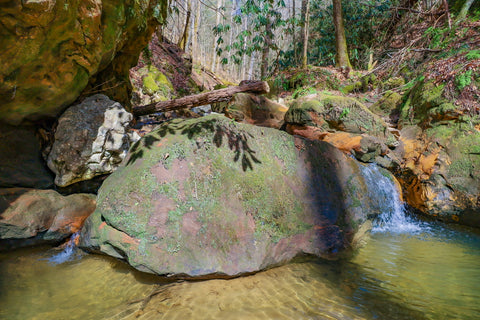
(236, 140)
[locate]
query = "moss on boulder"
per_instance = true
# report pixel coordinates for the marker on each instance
(426, 102)
(337, 113)
(154, 86)
(387, 104)
(210, 196)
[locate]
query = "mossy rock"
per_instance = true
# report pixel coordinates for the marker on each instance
(421, 103)
(210, 196)
(155, 81)
(387, 104)
(366, 83)
(394, 82)
(153, 87)
(337, 113)
(254, 109)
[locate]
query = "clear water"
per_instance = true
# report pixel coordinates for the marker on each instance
(392, 218)
(407, 270)
(426, 275)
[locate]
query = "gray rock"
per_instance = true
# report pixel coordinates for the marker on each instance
(92, 139)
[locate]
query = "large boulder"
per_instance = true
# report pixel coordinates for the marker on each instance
(210, 196)
(336, 113)
(30, 216)
(51, 50)
(92, 139)
(21, 162)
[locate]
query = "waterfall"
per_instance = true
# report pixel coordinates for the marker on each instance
(392, 216)
(68, 253)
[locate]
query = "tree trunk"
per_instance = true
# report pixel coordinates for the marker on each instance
(182, 43)
(293, 26)
(341, 59)
(252, 63)
(195, 32)
(305, 24)
(449, 20)
(217, 22)
(202, 99)
(266, 49)
(243, 67)
(464, 11)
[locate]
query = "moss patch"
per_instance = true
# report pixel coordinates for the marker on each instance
(155, 82)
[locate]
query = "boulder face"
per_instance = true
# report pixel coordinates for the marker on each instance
(30, 216)
(209, 196)
(91, 139)
(51, 49)
(337, 113)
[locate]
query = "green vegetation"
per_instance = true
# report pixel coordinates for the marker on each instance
(463, 80)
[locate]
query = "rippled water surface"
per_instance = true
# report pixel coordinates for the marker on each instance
(432, 274)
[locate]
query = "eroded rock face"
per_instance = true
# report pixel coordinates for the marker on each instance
(210, 196)
(440, 135)
(91, 139)
(30, 216)
(52, 48)
(441, 172)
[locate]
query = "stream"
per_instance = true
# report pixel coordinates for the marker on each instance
(408, 269)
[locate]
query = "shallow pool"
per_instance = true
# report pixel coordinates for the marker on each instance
(433, 273)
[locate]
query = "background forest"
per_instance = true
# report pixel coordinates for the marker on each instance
(246, 39)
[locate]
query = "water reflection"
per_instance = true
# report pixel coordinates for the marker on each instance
(429, 275)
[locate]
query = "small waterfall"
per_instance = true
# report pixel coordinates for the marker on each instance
(68, 253)
(392, 216)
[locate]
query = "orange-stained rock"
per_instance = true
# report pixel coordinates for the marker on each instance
(41, 215)
(347, 142)
(309, 132)
(439, 172)
(365, 148)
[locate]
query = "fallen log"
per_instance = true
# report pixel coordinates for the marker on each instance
(202, 99)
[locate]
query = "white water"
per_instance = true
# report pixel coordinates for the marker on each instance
(391, 217)
(68, 253)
